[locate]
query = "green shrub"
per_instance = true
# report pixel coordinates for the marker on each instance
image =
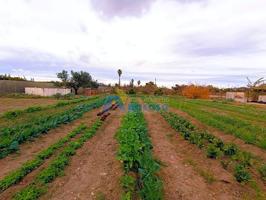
(14, 146)
(197, 139)
(12, 114)
(131, 91)
(230, 149)
(213, 151)
(241, 174)
(158, 92)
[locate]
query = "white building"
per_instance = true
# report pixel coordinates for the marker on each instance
(46, 91)
(236, 96)
(262, 98)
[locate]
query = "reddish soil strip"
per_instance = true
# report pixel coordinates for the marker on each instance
(94, 172)
(29, 149)
(223, 136)
(183, 180)
(8, 104)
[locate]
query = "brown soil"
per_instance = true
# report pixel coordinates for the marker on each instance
(94, 171)
(29, 149)
(223, 136)
(8, 104)
(7, 194)
(186, 172)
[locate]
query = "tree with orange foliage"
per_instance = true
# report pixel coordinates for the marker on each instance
(196, 92)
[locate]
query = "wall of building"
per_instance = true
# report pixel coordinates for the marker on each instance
(236, 96)
(9, 86)
(46, 91)
(262, 98)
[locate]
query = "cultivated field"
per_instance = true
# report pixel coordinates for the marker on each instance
(132, 147)
(8, 104)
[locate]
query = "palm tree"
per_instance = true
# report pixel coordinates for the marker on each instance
(132, 83)
(119, 71)
(138, 82)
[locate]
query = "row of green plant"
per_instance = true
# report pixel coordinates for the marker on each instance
(232, 158)
(17, 175)
(39, 185)
(150, 105)
(15, 113)
(133, 107)
(243, 109)
(248, 132)
(135, 151)
(240, 113)
(11, 138)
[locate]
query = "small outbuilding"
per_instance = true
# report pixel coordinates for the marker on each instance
(236, 96)
(90, 92)
(262, 99)
(46, 91)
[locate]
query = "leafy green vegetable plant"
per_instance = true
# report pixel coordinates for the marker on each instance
(136, 155)
(56, 168)
(12, 137)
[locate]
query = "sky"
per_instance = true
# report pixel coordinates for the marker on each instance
(218, 42)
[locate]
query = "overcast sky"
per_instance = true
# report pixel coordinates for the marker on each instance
(216, 42)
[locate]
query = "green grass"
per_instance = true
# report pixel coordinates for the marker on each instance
(240, 127)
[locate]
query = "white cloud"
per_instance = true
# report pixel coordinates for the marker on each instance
(215, 41)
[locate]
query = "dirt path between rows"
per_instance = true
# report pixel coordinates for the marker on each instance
(8, 104)
(94, 171)
(223, 136)
(29, 149)
(185, 170)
